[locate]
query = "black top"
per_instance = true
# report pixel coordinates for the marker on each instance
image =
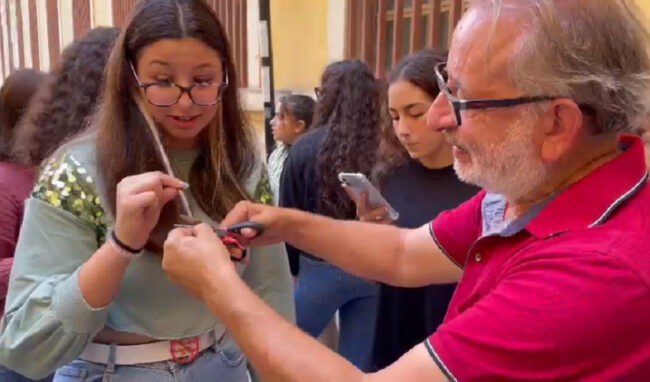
(300, 183)
(406, 316)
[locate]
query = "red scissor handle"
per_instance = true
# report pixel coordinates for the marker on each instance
(232, 242)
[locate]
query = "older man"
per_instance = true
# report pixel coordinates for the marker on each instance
(553, 258)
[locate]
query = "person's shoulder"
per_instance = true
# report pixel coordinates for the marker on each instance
(313, 138)
(277, 153)
(10, 172)
(16, 181)
(69, 181)
(83, 148)
(601, 251)
(624, 234)
(625, 247)
(307, 147)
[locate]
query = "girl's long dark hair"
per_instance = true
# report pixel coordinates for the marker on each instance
(126, 146)
(350, 106)
(63, 108)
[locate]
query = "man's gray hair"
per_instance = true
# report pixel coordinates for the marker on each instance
(595, 52)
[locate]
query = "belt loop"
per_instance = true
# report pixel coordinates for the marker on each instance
(213, 333)
(218, 339)
(110, 365)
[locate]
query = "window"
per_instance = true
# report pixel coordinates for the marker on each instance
(37, 31)
(381, 32)
(232, 15)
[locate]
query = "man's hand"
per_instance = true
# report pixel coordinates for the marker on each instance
(272, 218)
(195, 257)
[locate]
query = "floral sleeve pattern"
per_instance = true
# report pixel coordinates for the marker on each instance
(65, 184)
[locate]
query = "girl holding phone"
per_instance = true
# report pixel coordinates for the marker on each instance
(414, 174)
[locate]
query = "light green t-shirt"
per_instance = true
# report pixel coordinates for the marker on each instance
(47, 323)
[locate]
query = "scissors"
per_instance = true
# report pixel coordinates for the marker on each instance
(229, 236)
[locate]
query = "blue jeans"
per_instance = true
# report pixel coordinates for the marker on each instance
(7, 375)
(221, 362)
(323, 289)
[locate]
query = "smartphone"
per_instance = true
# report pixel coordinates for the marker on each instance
(358, 184)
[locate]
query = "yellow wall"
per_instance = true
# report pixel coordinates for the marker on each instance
(299, 38)
(645, 7)
(256, 118)
(102, 13)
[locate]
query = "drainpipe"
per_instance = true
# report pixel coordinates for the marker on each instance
(266, 53)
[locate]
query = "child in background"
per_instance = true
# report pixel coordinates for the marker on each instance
(293, 119)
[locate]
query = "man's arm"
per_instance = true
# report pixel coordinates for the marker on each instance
(197, 261)
(281, 352)
(400, 257)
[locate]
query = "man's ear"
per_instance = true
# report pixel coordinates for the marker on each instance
(561, 126)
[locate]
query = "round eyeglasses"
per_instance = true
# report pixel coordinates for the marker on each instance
(165, 94)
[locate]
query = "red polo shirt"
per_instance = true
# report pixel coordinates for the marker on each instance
(565, 296)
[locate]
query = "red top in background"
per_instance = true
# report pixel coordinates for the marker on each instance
(16, 183)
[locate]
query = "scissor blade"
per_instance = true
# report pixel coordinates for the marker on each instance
(220, 232)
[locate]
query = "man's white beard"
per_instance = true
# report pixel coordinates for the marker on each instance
(511, 167)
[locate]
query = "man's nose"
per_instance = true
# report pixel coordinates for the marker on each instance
(440, 116)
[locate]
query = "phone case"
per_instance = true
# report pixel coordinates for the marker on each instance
(358, 184)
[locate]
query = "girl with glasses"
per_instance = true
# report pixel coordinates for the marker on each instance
(169, 143)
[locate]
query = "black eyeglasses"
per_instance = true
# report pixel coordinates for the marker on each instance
(459, 104)
(165, 94)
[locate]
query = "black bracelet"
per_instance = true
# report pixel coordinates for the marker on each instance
(124, 246)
